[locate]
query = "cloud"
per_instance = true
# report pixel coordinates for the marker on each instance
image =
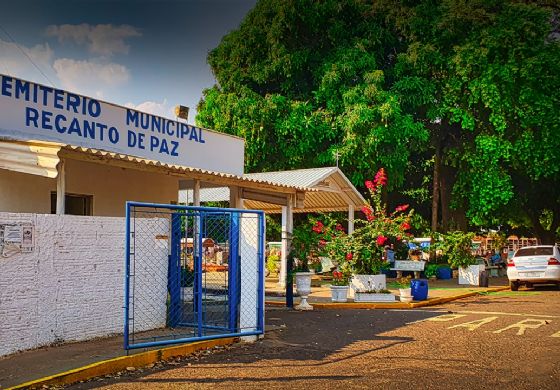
(101, 39)
(89, 77)
(155, 108)
(16, 63)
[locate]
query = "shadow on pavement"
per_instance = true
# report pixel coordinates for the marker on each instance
(308, 339)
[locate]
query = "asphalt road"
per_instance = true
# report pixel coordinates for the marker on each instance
(502, 340)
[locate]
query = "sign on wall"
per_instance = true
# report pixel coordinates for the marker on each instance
(16, 238)
(30, 111)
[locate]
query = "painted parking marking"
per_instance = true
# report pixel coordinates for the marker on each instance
(529, 323)
(473, 325)
(445, 317)
(532, 321)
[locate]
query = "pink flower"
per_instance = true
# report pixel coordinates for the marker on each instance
(370, 217)
(366, 210)
(380, 177)
(381, 240)
(402, 207)
(322, 243)
(318, 228)
(370, 185)
(405, 226)
(339, 227)
(349, 256)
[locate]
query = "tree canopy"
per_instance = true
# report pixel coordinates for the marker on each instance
(467, 93)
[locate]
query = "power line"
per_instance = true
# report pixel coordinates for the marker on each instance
(27, 55)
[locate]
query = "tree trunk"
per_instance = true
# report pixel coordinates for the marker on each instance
(446, 185)
(545, 237)
(435, 193)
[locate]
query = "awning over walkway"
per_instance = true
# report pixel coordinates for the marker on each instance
(327, 189)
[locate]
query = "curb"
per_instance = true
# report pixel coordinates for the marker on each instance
(396, 305)
(121, 363)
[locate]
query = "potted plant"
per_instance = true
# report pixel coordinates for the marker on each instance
(378, 229)
(306, 241)
(431, 271)
(339, 286)
(405, 292)
(457, 246)
(373, 293)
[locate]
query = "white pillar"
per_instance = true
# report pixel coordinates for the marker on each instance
(60, 188)
(287, 229)
(350, 219)
(196, 193)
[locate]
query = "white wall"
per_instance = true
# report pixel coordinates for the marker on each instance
(110, 186)
(71, 287)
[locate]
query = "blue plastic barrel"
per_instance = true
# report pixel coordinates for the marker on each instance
(444, 273)
(419, 288)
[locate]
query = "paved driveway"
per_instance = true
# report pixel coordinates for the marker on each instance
(502, 340)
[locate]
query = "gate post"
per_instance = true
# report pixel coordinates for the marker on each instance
(174, 272)
(233, 272)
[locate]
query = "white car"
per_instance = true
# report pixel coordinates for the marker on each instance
(534, 265)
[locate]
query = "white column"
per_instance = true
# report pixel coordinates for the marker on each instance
(350, 219)
(60, 188)
(196, 193)
(287, 229)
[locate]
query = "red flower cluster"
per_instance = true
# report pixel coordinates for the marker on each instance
(337, 274)
(405, 226)
(380, 178)
(367, 210)
(349, 256)
(402, 207)
(370, 185)
(322, 243)
(381, 240)
(318, 227)
(339, 227)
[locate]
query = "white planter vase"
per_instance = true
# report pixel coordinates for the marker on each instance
(405, 294)
(471, 275)
(373, 297)
(368, 282)
(339, 293)
(303, 289)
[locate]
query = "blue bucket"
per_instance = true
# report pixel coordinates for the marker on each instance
(444, 273)
(419, 289)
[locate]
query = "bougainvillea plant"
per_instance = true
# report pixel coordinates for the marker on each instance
(379, 228)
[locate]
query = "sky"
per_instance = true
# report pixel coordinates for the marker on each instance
(144, 54)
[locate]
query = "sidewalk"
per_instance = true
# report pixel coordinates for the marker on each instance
(74, 362)
(436, 289)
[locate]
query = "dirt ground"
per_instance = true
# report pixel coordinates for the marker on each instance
(503, 340)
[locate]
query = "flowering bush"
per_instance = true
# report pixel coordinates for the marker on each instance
(309, 241)
(365, 247)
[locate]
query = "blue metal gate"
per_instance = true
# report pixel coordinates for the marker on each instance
(192, 273)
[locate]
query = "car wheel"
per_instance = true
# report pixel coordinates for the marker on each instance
(514, 286)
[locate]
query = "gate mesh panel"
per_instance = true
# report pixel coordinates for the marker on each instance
(192, 273)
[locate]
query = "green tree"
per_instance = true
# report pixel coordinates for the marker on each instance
(301, 80)
(483, 76)
(468, 88)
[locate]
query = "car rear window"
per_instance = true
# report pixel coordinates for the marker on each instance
(538, 251)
